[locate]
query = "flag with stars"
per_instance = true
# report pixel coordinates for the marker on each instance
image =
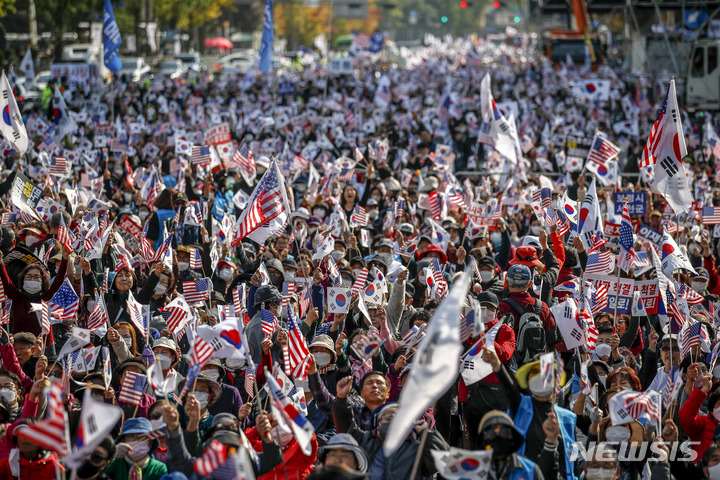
(197, 291)
(64, 304)
(627, 241)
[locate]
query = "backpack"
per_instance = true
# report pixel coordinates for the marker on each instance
(531, 336)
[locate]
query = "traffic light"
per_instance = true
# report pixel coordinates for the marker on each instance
(496, 4)
(463, 4)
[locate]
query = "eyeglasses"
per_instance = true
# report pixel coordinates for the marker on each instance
(96, 458)
(493, 432)
(33, 277)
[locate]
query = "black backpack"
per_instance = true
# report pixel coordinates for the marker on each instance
(531, 336)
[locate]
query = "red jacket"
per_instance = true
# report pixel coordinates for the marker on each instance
(297, 464)
(36, 469)
(713, 284)
(699, 428)
(525, 300)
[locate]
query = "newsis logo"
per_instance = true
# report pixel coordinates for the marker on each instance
(635, 452)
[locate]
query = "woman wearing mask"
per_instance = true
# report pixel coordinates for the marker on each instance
(166, 355)
(156, 421)
(206, 392)
(700, 427)
(225, 272)
(122, 340)
(229, 399)
(133, 458)
(33, 290)
(136, 365)
(164, 287)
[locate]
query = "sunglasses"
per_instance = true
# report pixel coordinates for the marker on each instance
(492, 434)
(96, 458)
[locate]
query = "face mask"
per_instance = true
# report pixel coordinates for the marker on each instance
(487, 315)
(91, 305)
(600, 473)
(282, 436)
(716, 413)
(32, 287)
(617, 434)
(160, 289)
(182, 266)
(319, 212)
(698, 286)
(128, 342)
(156, 424)
(486, 275)
(88, 470)
(535, 229)
(602, 378)
(535, 387)
(29, 240)
(377, 198)
(8, 395)
(214, 374)
(289, 276)
(139, 451)
(234, 363)
(322, 359)
(501, 448)
(716, 372)
(127, 196)
(714, 472)
(164, 360)
(386, 256)
(202, 398)
(356, 272)
(337, 255)
(143, 215)
(226, 274)
(602, 350)
(496, 237)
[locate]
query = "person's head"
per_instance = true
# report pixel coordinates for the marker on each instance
(374, 389)
(486, 266)
(183, 257)
(624, 377)
(383, 416)
(127, 333)
(669, 351)
(132, 364)
(28, 449)
(622, 323)
(134, 432)
(420, 317)
(711, 462)
(165, 351)
(34, 280)
(165, 281)
(656, 219)
(377, 314)
(602, 464)
(323, 350)
(124, 280)
(529, 377)
(497, 431)
(349, 194)
(214, 369)
(489, 305)
(518, 278)
(97, 460)
(23, 343)
(7, 239)
(11, 389)
(268, 297)
(276, 272)
(342, 453)
(206, 391)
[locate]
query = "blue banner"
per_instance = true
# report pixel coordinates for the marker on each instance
(636, 202)
(376, 42)
(111, 39)
(267, 39)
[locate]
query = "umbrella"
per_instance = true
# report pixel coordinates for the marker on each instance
(219, 42)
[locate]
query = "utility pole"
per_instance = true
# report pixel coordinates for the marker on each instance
(33, 24)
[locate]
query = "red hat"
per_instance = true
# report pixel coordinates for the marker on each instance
(526, 256)
(434, 248)
(222, 263)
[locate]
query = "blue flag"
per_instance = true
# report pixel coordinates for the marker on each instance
(267, 39)
(111, 39)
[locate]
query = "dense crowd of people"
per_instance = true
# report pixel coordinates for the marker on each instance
(223, 276)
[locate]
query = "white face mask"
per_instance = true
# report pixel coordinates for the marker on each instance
(487, 315)
(226, 274)
(143, 215)
(698, 286)
(212, 373)
(8, 395)
(496, 237)
(337, 255)
(600, 473)
(91, 305)
(234, 363)
(716, 372)
(535, 229)
(160, 289)
(714, 472)
(486, 275)
(534, 385)
(602, 350)
(157, 424)
(32, 287)
(127, 196)
(319, 212)
(139, 451)
(322, 359)
(164, 361)
(202, 398)
(617, 434)
(182, 266)
(29, 240)
(289, 276)
(128, 342)
(602, 378)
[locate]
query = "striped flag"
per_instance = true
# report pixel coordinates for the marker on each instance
(300, 162)
(51, 433)
(132, 388)
(200, 155)
(270, 197)
(58, 166)
(269, 322)
(689, 337)
(65, 303)
(358, 217)
(443, 111)
(201, 352)
(243, 158)
(64, 236)
(288, 291)
(648, 158)
(249, 381)
(627, 241)
(359, 281)
(254, 218)
(642, 403)
(196, 291)
(435, 205)
(455, 198)
(685, 291)
(195, 258)
(543, 197)
(45, 317)
(212, 458)
(591, 332)
(711, 215)
(598, 262)
(175, 314)
(298, 358)
(601, 152)
(99, 315)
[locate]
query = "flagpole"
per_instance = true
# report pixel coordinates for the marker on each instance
(327, 57)
(617, 282)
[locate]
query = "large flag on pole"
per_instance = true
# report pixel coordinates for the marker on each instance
(27, 67)
(627, 241)
(12, 126)
(111, 39)
(590, 220)
(435, 367)
(665, 149)
(266, 44)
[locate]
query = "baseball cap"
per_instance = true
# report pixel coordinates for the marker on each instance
(519, 272)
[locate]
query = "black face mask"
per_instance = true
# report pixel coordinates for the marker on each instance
(88, 470)
(501, 447)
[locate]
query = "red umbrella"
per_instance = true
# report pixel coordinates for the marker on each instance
(221, 43)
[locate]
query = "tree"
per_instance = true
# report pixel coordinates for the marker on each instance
(188, 14)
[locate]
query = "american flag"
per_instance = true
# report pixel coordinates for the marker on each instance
(627, 241)
(250, 381)
(162, 249)
(175, 165)
(599, 297)
(647, 157)
(368, 344)
(399, 207)
(543, 197)
(147, 251)
(132, 388)
(641, 403)
(596, 242)
(173, 317)
(598, 262)
(269, 200)
(689, 337)
(195, 101)
(467, 323)
(51, 433)
(196, 291)
(269, 322)
(201, 352)
(443, 112)
(711, 215)
(591, 333)
(412, 336)
(195, 258)
(692, 297)
(212, 458)
(200, 155)
(562, 222)
(99, 315)
(383, 94)
(359, 216)
(350, 122)
(455, 197)
(48, 145)
(359, 281)
(435, 205)
(300, 162)
(361, 40)
(672, 308)
(65, 303)
(288, 291)
(602, 150)
(304, 302)
(64, 236)
(243, 158)
(58, 166)
(45, 318)
(298, 358)
(667, 394)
